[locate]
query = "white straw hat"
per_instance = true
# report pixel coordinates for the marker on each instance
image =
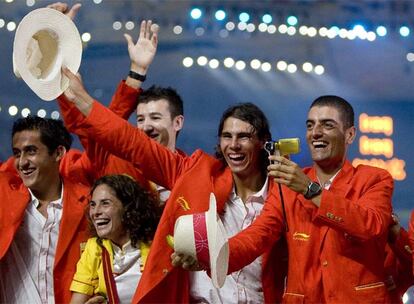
(203, 237)
(45, 41)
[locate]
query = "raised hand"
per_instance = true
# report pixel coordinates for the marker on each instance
(64, 8)
(142, 53)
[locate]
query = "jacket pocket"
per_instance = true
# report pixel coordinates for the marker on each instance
(293, 298)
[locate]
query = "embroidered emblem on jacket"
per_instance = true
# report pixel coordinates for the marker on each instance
(184, 204)
(82, 247)
(300, 236)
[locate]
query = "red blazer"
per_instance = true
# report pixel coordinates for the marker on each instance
(191, 179)
(336, 251)
(398, 260)
(411, 234)
(72, 232)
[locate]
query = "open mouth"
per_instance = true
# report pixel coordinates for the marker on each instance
(27, 172)
(319, 144)
(99, 223)
(153, 135)
(236, 157)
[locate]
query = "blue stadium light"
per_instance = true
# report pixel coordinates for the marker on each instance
(244, 17)
(220, 15)
(404, 31)
(381, 31)
(196, 13)
(292, 20)
(267, 18)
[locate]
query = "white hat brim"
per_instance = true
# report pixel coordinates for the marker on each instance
(69, 51)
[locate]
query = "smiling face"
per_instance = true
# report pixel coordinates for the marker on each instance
(106, 211)
(154, 118)
(240, 147)
(327, 137)
(35, 165)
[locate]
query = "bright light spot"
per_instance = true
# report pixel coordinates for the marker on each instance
(214, 63)
(262, 27)
(267, 18)
(2, 23)
(333, 32)
(30, 2)
(25, 112)
(178, 29)
(129, 25)
(0, 108)
(220, 15)
(404, 31)
(351, 35)
(13, 110)
(283, 28)
(228, 62)
(410, 57)
(292, 68)
(359, 28)
(244, 17)
(291, 30)
(199, 31)
(196, 13)
(250, 27)
(371, 36)
(188, 62)
(312, 31)
(242, 26)
(307, 67)
(41, 113)
(363, 35)
(9, 1)
(343, 33)
(55, 115)
(117, 25)
(319, 70)
(303, 30)
(97, 1)
(323, 32)
(255, 64)
(223, 33)
(266, 66)
(271, 29)
(381, 31)
(282, 65)
(86, 37)
(292, 20)
(240, 65)
(230, 26)
(202, 60)
(11, 26)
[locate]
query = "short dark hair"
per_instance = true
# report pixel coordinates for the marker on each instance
(141, 208)
(175, 102)
(250, 113)
(52, 132)
(344, 107)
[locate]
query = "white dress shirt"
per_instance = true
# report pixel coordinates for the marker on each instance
(245, 285)
(26, 272)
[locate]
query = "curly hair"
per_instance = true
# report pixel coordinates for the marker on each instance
(141, 208)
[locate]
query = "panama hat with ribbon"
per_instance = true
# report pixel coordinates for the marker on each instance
(203, 237)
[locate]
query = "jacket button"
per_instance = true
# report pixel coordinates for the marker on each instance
(325, 263)
(165, 271)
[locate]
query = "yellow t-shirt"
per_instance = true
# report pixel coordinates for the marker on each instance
(89, 276)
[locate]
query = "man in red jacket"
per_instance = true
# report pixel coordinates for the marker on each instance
(338, 217)
(42, 223)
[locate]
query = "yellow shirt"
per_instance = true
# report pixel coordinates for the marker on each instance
(89, 276)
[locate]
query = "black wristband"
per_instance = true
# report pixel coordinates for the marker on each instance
(137, 76)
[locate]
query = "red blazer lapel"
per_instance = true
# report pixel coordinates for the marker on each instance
(74, 204)
(14, 200)
(222, 181)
